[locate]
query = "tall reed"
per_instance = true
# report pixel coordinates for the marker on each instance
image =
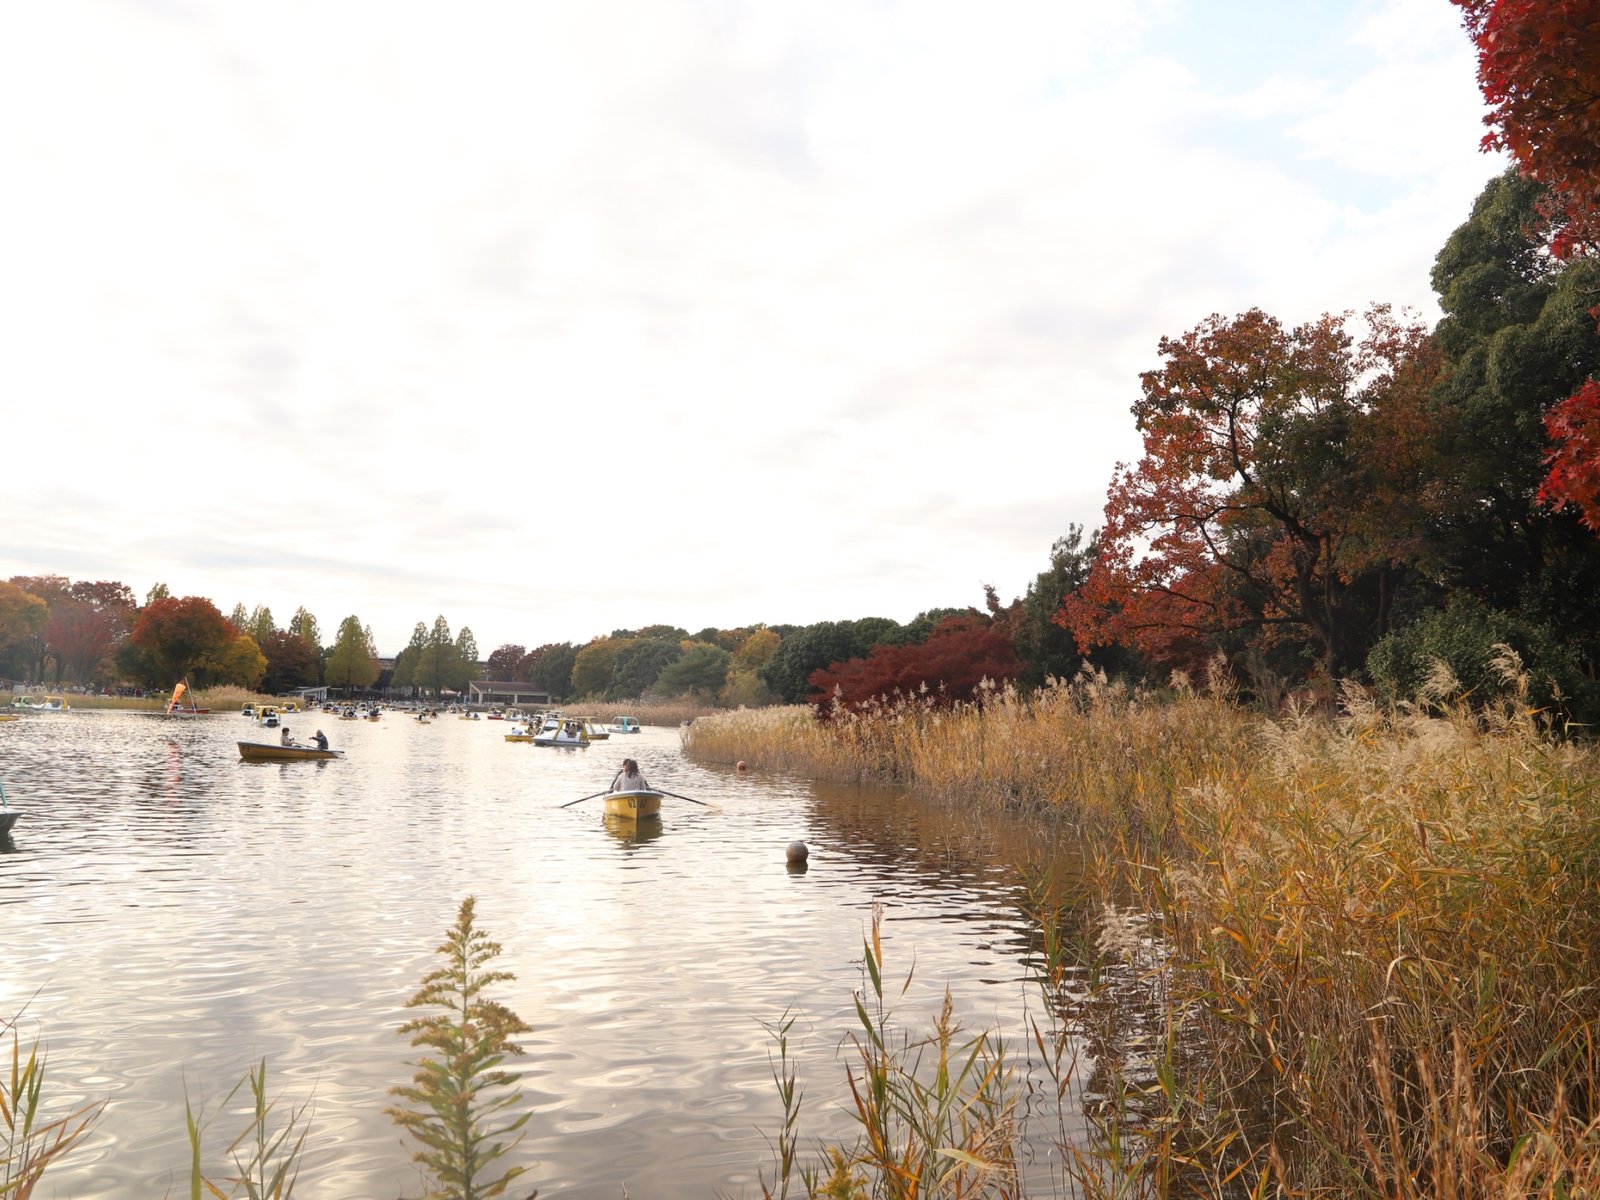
(1362, 953)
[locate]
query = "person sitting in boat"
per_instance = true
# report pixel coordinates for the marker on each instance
(628, 779)
(321, 739)
(284, 737)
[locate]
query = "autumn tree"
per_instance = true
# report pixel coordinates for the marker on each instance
(86, 626)
(592, 668)
(351, 663)
(949, 667)
(1540, 75)
(291, 662)
(1253, 506)
(184, 637)
(506, 662)
(755, 651)
(23, 617)
(813, 647)
(238, 661)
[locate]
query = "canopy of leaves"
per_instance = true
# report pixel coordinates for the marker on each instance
(238, 661)
(756, 650)
(813, 647)
(947, 668)
(178, 635)
(592, 667)
(637, 665)
(86, 626)
(1046, 649)
(1465, 635)
(304, 625)
(22, 616)
(549, 667)
(350, 663)
(700, 673)
(467, 649)
(506, 662)
(292, 662)
(1259, 502)
(1517, 339)
(1540, 76)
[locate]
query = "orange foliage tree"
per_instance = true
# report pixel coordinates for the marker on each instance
(1276, 493)
(1539, 70)
(177, 636)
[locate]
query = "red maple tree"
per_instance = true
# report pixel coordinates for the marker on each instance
(949, 667)
(1539, 71)
(1273, 494)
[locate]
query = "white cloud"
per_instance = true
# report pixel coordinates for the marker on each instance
(557, 319)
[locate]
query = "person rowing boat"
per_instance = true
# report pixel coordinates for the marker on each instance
(628, 779)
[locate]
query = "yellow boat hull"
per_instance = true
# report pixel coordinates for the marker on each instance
(634, 805)
(268, 752)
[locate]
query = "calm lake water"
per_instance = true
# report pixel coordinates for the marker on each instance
(170, 915)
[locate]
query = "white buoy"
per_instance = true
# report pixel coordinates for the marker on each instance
(797, 852)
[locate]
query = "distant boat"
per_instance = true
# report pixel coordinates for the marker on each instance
(562, 731)
(625, 725)
(175, 707)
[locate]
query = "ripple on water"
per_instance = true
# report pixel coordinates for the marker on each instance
(188, 916)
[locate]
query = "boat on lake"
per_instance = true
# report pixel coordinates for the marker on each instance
(276, 752)
(625, 725)
(635, 805)
(562, 731)
(176, 707)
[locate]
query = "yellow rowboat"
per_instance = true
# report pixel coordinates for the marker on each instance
(273, 752)
(633, 804)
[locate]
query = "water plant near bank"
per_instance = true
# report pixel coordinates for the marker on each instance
(1338, 957)
(458, 1104)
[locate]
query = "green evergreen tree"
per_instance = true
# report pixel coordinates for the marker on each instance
(350, 665)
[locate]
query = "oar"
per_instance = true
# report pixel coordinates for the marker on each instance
(690, 799)
(581, 799)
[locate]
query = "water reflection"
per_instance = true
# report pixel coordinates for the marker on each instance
(172, 915)
(632, 831)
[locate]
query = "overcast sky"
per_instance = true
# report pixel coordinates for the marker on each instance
(561, 318)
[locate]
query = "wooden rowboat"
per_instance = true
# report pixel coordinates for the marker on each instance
(633, 804)
(273, 752)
